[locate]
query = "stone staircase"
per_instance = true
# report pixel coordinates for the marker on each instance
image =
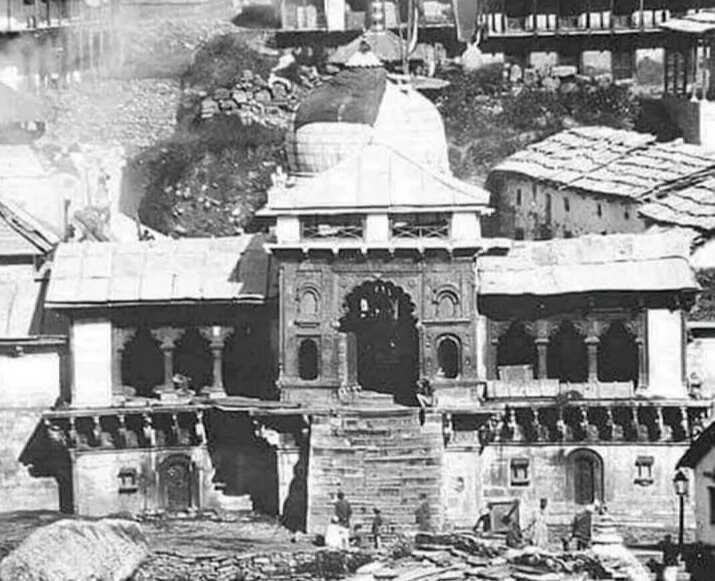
(380, 456)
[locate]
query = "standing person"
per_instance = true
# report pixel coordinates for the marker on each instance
(423, 516)
(377, 524)
(484, 520)
(670, 558)
(581, 528)
(343, 511)
(538, 526)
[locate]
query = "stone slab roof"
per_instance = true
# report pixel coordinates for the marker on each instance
(688, 205)
(696, 24)
(231, 269)
(617, 262)
(19, 302)
(608, 161)
(21, 234)
(378, 179)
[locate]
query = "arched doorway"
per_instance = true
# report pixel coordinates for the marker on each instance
(381, 315)
(516, 347)
(567, 356)
(176, 476)
(585, 476)
(617, 355)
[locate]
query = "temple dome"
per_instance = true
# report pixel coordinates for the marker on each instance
(359, 106)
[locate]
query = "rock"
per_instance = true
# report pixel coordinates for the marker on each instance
(74, 550)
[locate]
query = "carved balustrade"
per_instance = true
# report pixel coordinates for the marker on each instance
(128, 428)
(581, 422)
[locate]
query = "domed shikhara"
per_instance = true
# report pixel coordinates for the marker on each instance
(360, 106)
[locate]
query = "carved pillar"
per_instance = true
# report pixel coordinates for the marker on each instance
(542, 346)
(216, 336)
(684, 424)
(496, 330)
(199, 428)
(592, 349)
(148, 431)
(120, 337)
(637, 328)
(167, 337)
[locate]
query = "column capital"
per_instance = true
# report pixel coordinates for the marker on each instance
(122, 336)
(167, 336)
(216, 335)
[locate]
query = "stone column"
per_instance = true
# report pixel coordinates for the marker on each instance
(167, 337)
(121, 336)
(592, 348)
(542, 346)
(684, 424)
(217, 339)
(637, 328)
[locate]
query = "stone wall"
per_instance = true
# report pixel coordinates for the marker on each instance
(643, 508)
(30, 383)
(100, 488)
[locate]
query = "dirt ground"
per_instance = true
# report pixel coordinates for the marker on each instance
(191, 536)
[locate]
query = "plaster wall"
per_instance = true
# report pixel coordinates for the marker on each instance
(701, 361)
(30, 384)
(665, 353)
(96, 483)
(526, 206)
(91, 346)
(701, 485)
(633, 505)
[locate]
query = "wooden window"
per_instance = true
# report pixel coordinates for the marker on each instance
(519, 468)
(518, 196)
(644, 470)
(339, 226)
(567, 205)
(599, 210)
(423, 225)
(128, 481)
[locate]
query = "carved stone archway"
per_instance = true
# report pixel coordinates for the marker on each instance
(381, 315)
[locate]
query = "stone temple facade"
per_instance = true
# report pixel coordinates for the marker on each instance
(286, 366)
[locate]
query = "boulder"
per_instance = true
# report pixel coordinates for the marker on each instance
(77, 550)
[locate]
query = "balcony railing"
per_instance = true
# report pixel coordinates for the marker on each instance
(417, 231)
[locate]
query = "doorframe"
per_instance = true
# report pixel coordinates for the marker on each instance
(178, 458)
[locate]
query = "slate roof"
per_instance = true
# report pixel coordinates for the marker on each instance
(231, 269)
(21, 234)
(698, 448)
(20, 302)
(608, 161)
(698, 23)
(379, 178)
(617, 262)
(690, 205)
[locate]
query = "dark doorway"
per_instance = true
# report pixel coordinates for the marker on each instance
(617, 355)
(142, 363)
(381, 316)
(516, 347)
(193, 359)
(246, 364)
(567, 358)
(585, 472)
(176, 482)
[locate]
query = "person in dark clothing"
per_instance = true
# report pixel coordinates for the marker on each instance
(670, 558)
(514, 538)
(484, 521)
(423, 516)
(343, 511)
(581, 529)
(377, 524)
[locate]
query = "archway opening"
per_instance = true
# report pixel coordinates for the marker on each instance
(585, 476)
(381, 314)
(448, 357)
(567, 358)
(308, 359)
(516, 347)
(617, 355)
(193, 359)
(142, 363)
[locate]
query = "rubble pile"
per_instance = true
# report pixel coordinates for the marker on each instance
(466, 556)
(256, 100)
(298, 566)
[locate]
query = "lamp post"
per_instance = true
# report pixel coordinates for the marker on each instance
(680, 482)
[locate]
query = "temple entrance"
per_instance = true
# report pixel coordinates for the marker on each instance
(585, 471)
(176, 475)
(381, 316)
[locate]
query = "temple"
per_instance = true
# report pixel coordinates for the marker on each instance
(285, 367)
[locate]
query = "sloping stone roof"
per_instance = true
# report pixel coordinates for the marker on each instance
(231, 269)
(617, 262)
(378, 179)
(690, 204)
(608, 161)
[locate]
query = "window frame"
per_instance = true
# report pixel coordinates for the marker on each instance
(519, 472)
